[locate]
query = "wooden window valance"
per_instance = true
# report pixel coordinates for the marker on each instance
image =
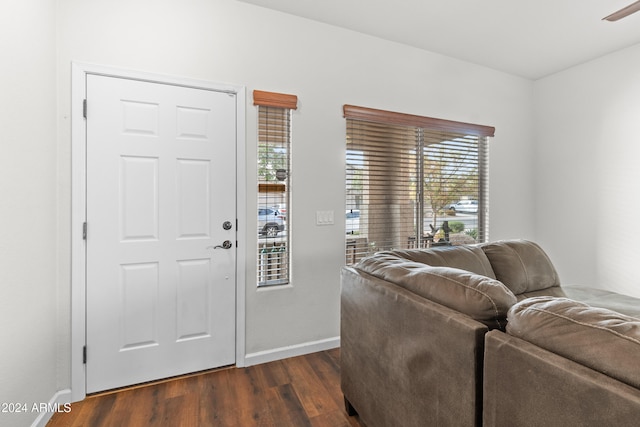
(401, 119)
(273, 99)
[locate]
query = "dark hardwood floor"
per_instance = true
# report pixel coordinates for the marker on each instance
(297, 392)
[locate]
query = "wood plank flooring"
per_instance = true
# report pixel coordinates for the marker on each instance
(302, 391)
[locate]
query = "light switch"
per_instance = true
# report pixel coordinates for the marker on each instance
(324, 217)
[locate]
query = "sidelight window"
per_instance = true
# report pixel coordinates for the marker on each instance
(274, 179)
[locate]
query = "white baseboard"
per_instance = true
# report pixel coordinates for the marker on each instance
(60, 401)
(290, 351)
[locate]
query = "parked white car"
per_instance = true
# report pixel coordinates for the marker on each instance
(466, 206)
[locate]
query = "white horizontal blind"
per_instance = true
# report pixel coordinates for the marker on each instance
(401, 180)
(274, 164)
(381, 187)
(451, 173)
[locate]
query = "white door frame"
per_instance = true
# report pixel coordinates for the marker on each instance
(79, 72)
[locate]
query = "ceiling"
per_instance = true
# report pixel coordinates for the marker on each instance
(532, 39)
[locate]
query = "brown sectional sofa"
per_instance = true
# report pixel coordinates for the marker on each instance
(438, 337)
(562, 363)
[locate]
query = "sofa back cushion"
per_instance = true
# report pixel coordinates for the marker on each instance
(521, 265)
(482, 298)
(470, 258)
(603, 340)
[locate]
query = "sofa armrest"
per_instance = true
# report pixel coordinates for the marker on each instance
(525, 385)
(406, 360)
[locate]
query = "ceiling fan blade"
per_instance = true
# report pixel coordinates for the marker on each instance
(625, 11)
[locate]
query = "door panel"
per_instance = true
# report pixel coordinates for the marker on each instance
(160, 184)
(139, 198)
(194, 194)
(139, 289)
(193, 293)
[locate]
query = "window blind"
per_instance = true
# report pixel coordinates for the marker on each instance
(413, 182)
(274, 173)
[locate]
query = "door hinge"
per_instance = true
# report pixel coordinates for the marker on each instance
(84, 231)
(84, 108)
(84, 354)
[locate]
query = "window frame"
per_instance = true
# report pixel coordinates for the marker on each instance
(274, 113)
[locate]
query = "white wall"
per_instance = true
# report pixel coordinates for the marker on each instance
(587, 150)
(28, 210)
(231, 42)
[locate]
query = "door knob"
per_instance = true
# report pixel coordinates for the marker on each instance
(225, 245)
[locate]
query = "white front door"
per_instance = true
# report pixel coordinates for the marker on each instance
(161, 200)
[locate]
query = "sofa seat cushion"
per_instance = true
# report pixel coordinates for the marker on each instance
(482, 298)
(470, 258)
(521, 265)
(601, 339)
(603, 298)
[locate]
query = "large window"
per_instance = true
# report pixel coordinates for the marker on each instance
(413, 181)
(274, 174)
